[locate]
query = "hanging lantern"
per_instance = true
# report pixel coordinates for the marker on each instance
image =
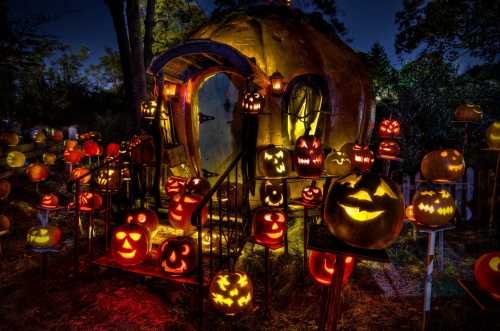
(322, 267)
(493, 135)
(389, 128)
(231, 292)
(362, 158)
(253, 103)
(277, 83)
(468, 113)
(169, 88)
(15, 159)
(443, 166)
(37, 172)
(148, 109)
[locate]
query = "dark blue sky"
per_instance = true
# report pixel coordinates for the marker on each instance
(88, 22)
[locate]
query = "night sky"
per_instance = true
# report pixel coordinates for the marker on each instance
(88, 22)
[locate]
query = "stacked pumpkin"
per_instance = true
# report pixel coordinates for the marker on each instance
(388, 147)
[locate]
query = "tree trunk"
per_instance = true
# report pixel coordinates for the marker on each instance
(148, 32)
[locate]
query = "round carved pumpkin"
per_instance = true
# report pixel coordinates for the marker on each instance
(49, 158)
(309, 156)
(4, 225)
(433, 207)
(44, 236)
(108, 179)
(91, 148)
(49, 201)
(271, 193)
(231, 292)
(269, 226)
(112, 150)
(443, 166)
(79, 172)
(312, 194)
(90, 201)
(322, 267)
(39, 137)
(15, 159)
(175, 185)
(365, 210)
(37, 172)
(130, 244)
(5, 188)
(253, 103)
(389, 128)
(179, 256)
(71, 145)
(73, 156)
(388, 149)
(145, 217)
(9, 138)
(181, 208)
(338, 163)
(487, 274)
(362, 158)
(57, 135)
(198, 185)
(468, 113)
(493, 135)
(274, 161)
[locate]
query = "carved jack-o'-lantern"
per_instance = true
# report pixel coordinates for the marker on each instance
(108, 179)
(365, 211)
(493, 135)
(175, 185)
(338, 163)
(49, 201)
(37, 172)
(5, 188)
(274, 161)
(388, 149)
(198, 185)
(231, 292)
(9, 138)
(43, 236)
(362, 157)
(312, 194)
(433, 207)
(389, 128)
(468, 113)
(252, 103)
(322, 267)
(49, 158)
(443, 166)
(231, 196)
(269, 226)
(39, 137)
(91, 148)
(146, 218)
(271, 193)
(181, 209)
(57, 135)
(79, 172)
(71, 145)
(487, 274)
(130, 244)
(309, 156)
(178, 256)
(90, 201)
(112, 150)
(73, 156)
(15, 159)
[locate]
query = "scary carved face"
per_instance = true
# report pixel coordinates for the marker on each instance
(181, 209)
(269, 226)
(178, 256)
(79, 172)
(487, 274)
(175, 185)
(388, 149)
(253, 103)
(309, 156)
(271, 193)
(443, 166)
(365, 211)
(231, 292)
(493, 135)
(44, 236)
(433, 207)
(338, 163)
(389, 129)
(362, 157)
(312, 194)
(322, 267)
(130, 244)
(274, 161)
(146, 218)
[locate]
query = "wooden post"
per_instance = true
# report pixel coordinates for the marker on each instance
(304, 268)
(335, 295)
(285, 208)
(429, 267)
(267, 281)
(494, 197)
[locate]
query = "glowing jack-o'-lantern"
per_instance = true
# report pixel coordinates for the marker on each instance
(309, 156)
(130, 244)
(312, 194)
(252, 103)
(274, 161)
(389, 128)
(79, 172)
(493, 135)
(181, 209)
(468, 113)
(362, 157)
(73, 156)
(39, 137)
(4, 225)
(90, 201)
(5, 188)
(57, 135)
(409, 214)
(49, 158)
(146, 218)
(271, 193)
(487, 274)
(112, 150)
(49, 201)
(197, 185)
(178, 256)
(15, 159)
(175, 185)
(231, 292)
(9, 138)
(365, 211)
(269, 226)
(433, 207)
(338, 163)
(44, 236)
(108, 179)
(71, 145)
(322, 267)
(37, 172)
(91, 148)
(388, 149)
(443, 166)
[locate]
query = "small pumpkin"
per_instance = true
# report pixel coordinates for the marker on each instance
(49, 158)
(198, 185)
(181, 208)
(493, 135)
(433, 207)
(90, 201)
(9, 138)
(79, 172)
(389, 128)
(322, 267)
(71, 145)
(338, 163)
(487, 274)
(49, 201)
(274, 161)
(269, 226)
(362, 158)
(37, 172)
(178, 256)
(130, 244)
(91, 148)
(44, 236)
(388, 149)
(271, 193)
(253, 102)
(5, 189)
(312, 194)
(468, 112)
(175, 185)
(309, 156)
(39, 137)
(145, 217)
(443, 166)
(72, 156)
(231, 293)
(15, 159)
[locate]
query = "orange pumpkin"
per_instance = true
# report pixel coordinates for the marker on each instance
(468, 113)
(309, 156)
(231, 293)
(9, 138)
(198, 185)
(90, 201)
(322, 267)
(178, 256)
(487, 274)
(44, 236)
(130, 244)
(112, 150)
(181, 209)
(362, 157)
(49, 201)
(146, 218)
(175, 185)
(312, 194)
(269, 226)
(49, 158)
(389, 128)
(252, 103)
(73, 156)
(37, 172)
(15, 159)
(71, 145)
(388, 148)
(79, 172)
(57, 135)
(108, 179)
(443, 166)
(5, 188)
(91, 148)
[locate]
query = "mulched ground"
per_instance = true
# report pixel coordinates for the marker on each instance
(378, 296)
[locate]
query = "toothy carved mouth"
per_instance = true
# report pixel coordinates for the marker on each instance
(302, 161)
(441, 211)
(125, 255)
(276, 235)
(361, 215)
(455, 168)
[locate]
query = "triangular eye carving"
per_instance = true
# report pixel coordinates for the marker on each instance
(384, 189)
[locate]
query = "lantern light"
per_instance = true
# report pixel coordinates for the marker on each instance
(148, 109)
(277, 82)
(170, 88)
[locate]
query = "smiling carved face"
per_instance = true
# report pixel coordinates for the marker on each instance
(231, 292)
(433, 207)
(269, 226)
(178, 256)
(130, 244)
(322, 267)
(338, 163)
(312, 194)
(365, 211)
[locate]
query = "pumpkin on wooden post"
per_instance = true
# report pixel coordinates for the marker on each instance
(271, 193)
(80, 173)
(15, 159)
(362, 157)
(322, 267)
(146, 218)
(389, 128)
(49, 201)
(269, 226)
(338, 163)
(433, 207)
(37, 172)
(312, 194)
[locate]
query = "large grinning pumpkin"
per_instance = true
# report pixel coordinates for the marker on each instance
(443, 166)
